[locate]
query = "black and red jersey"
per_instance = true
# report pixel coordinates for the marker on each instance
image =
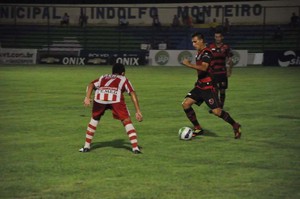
(204, 77)
(220, 54)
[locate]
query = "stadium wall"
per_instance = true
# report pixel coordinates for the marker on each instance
(256, 12)
(241, 58)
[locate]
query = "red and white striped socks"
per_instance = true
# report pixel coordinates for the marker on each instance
(90, 133)
(131, 132)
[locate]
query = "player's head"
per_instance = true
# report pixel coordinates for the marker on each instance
(219, 37)
(198, 40)
(118, 69)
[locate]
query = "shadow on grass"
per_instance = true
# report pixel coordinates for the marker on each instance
(209, 133)
(117, 143)
(287, 117)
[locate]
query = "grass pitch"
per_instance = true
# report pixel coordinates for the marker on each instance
(43, 124)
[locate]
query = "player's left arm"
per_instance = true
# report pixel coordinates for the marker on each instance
(229, 63)
(202, 67)
(135, 101)
(205, 61)
(87, 99)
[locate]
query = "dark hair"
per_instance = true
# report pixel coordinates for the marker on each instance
(219, 32)
(118, 68)
(199, 35)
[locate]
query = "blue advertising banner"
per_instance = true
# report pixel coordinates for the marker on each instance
(281, 58)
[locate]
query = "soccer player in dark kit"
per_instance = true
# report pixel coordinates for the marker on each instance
(204, 90)
(222, 56)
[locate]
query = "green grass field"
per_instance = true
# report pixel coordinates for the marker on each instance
(43, 124)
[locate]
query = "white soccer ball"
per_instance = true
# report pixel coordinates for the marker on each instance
(185, 133)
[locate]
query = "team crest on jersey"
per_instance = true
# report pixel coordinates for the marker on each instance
(211, 101)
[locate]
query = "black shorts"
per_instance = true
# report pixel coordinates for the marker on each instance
(209, 96)
(221, 81)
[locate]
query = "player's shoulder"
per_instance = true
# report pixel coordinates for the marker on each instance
(225, 45)
(212, 45)
(207, 50)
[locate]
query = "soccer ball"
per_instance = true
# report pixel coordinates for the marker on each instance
(185, 133)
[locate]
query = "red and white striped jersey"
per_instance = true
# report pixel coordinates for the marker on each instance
(110, 88)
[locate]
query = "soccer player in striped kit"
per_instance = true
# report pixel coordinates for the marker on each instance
(222, 56)
(109, 91)
(205, 89)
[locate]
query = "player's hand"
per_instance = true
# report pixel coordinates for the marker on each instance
(186, 62)
(87, 101)
(139, 116)
(228, 72)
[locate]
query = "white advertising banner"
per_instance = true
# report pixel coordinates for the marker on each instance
(175, 57)
(17, 56)
(170, 57)
(240, 58)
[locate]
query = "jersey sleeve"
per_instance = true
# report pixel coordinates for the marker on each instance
(96, 83)
(128, 86)
(207, 56)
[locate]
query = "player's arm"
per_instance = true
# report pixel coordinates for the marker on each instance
(229, 66)
(203, 66)
(229, 62)
(87, 99)
(134, 99)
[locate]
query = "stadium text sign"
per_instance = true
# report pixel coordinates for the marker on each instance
(247, 12)
(17, 56)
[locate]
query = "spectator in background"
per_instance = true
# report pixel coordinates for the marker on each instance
(175, 22)
(226, 28)
(187, 20)
(156, 22)
(278, 34)
(215, 26)
(83, 20)
(123, 22)
(294, 20)
(200, 18)
(65, 19)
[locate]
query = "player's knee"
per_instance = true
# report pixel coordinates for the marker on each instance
(96, 117)
(217, 111)
(185, 105)
(126, 121)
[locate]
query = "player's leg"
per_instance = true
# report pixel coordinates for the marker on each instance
(121, 112)
(217, 89)
(193, 98)
(211, 99)
(227, 118)
(222, 97)
(222, 90)
(132, 135)
(97, 111)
